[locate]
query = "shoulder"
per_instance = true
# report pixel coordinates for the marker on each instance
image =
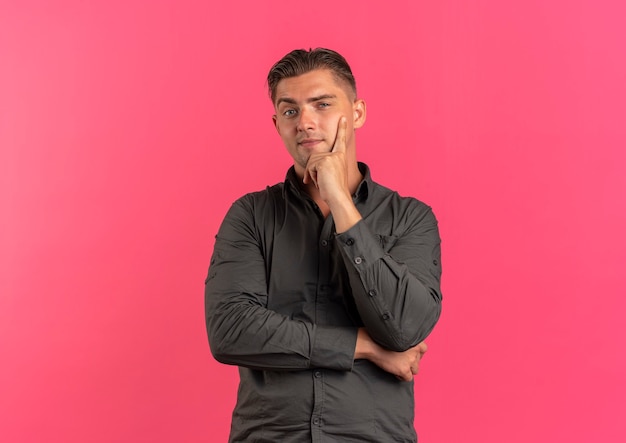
(254, 207)
(259, 200)
(389, 204)
(251, 213)
(406, 207)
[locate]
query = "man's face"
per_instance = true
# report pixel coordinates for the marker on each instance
(308, 108)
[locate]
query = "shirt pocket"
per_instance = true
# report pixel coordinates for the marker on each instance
(387, 241)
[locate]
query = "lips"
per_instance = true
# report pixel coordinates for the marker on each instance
(310, 142)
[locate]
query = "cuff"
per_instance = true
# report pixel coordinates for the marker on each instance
(360, 246)
(333, 348)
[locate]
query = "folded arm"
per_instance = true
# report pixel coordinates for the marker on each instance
(395, 280)
(241, 329)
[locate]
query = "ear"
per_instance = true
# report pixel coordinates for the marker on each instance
(275, 120)
(359, 111)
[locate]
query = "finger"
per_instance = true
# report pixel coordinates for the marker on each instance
(340, 139)
(310, 175)
(308, 172)
(406, 375)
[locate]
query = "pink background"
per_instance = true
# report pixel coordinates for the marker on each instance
(127, 128)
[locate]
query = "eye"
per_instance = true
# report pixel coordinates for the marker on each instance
(289, 112)
(323, 105)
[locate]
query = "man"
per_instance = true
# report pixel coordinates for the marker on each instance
(322, 288)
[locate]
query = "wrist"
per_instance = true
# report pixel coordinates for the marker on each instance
(339, 199)
(345, 214)
(365, 346)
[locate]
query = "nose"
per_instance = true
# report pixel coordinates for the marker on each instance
(306, 120)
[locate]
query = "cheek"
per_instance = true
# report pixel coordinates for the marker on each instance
(284, 129)
(330, 122)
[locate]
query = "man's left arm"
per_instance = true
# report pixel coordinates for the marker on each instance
(397, 292)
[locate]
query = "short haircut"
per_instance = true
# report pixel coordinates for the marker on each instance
(300, 62)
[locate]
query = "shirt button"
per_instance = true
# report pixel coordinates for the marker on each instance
(358, 260)
(318, 374)
(350, 241)
(316, 421)
(386, 316)
(372, 292)
(435, 262)
(324, 243)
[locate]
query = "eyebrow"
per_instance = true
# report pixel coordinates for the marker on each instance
(308, 100)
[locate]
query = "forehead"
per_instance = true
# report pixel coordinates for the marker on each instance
(311, 84)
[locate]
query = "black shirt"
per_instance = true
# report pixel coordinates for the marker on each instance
(285, 295)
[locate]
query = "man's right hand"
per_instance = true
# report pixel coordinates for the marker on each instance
(404, 365)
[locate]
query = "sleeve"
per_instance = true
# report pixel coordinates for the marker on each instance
(396, 288)
(241, 330)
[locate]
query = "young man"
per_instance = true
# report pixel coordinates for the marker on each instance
(322, 288)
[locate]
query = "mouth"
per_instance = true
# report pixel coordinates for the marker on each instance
(310, 142)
